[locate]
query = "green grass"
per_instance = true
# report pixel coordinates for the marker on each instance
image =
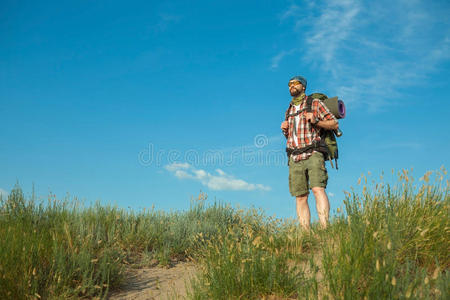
(394, 243)
(62, 250)
(389, 242)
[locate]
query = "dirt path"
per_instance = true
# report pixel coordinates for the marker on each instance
(157, 283)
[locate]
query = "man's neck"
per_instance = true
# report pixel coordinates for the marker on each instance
(296, 100)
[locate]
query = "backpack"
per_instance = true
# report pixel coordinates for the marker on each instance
(328, 144)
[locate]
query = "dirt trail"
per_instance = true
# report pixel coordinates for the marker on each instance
(157, 283)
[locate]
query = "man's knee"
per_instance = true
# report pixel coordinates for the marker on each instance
(302, 198)
(317, 190)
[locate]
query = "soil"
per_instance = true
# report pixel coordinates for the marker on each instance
(157, 282)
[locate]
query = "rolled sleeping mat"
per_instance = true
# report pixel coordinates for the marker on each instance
(336, 107)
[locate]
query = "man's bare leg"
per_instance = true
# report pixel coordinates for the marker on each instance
(304, 216)
(322, 205)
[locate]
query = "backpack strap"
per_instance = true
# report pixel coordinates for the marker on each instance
(309, 100)
(319, 146)
(287, 115)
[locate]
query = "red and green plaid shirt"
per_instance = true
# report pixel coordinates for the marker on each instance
(301, 133)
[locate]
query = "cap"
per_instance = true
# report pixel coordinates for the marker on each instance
(301, 79)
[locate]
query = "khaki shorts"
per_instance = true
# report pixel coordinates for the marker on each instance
(306, 174)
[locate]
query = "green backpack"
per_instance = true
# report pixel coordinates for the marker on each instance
(328, 136)
(328, 144)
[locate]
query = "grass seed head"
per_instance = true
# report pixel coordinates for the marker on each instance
(422, 234)
(257, 241)
(436, 273)
(409, 292)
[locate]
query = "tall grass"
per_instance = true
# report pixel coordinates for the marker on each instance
(63, 250)
(393, 243)
(56, 250)
(251, 260)
(390, 242)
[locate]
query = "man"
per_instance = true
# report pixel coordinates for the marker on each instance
(306, 161)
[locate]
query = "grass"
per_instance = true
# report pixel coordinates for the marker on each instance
(62, 250)
(389, 242)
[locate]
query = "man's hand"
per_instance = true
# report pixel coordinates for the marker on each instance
(284, 126)
(310, 118)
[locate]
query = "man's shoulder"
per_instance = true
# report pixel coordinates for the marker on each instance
(316, 102)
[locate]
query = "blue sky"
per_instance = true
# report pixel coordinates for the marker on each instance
(143, 103)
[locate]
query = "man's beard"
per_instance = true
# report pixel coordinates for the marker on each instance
(295, 92)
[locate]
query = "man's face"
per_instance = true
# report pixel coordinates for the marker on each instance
(295, 88)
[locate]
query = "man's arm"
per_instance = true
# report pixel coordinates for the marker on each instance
(285, 128)
(325, 119)
(328, 124)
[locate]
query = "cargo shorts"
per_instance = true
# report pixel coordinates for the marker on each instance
(306, 174)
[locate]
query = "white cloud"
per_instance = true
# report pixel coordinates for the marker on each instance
(182, 174)
(3, 193)
(176, 166)
(277, 58)
(221, 181)
(330, 31)
(367, 51)
(222, 173)
(293, 10)
(331, 194)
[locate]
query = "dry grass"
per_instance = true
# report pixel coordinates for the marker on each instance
(391, 241)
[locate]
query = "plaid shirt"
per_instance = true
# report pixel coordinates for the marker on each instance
(305, 133)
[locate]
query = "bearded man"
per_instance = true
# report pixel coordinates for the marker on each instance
(306, 162)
